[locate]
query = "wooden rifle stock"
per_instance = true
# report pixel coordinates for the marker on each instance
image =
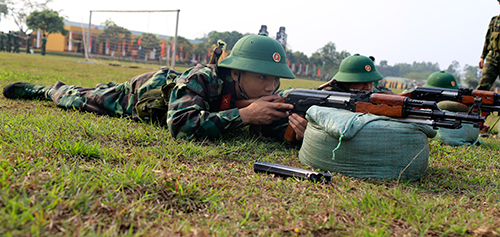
(382, 104)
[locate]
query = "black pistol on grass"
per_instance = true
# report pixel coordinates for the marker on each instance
(288, 171)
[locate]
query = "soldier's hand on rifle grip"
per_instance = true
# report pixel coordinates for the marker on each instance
(265, 110)
(299, 125)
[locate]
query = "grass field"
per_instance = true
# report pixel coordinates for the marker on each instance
(68, 173)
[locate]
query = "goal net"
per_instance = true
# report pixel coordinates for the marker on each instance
(139, 36)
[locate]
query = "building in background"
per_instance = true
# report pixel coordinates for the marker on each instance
(73, 42)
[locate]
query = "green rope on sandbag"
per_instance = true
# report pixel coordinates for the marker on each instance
(338, 145)
(342, 135)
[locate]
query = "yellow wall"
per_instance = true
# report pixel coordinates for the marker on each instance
(55, 42)
(58, 42)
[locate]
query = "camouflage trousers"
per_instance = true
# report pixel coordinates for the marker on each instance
(112, 99)
(490, 72)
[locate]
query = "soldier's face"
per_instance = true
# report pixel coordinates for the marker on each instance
(360, 86)
(257, 85)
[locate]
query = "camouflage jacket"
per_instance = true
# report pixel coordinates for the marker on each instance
(494, 26)
(202, 104)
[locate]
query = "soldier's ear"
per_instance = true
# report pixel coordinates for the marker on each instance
(234, 73)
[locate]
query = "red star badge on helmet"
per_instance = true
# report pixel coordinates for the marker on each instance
(368, 68)
(276, 57)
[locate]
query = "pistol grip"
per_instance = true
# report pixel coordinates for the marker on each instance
(290, 134)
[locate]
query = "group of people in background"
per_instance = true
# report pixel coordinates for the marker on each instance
(11, 42)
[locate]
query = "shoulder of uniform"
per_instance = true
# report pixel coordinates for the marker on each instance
(197, 71)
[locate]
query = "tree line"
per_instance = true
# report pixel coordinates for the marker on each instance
(327, 59)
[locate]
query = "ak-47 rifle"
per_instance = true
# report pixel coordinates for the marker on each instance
(484, 101)
(390, 105)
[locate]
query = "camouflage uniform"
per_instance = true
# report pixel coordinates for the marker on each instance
(8, 42)
(44, 44)
(28, 43)
(111, 99)
(491, 53)
(2, 41)
(201, 103)
(15, 39)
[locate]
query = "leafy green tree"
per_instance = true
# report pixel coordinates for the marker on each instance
(386, 70)
(186, 46)
(300, 57)
(455, 70)
(203, 39)
(19, 10)
(300, 60)
(289, 56)
(47, 20)
(229, 38)
(201, 49)
(329, 59)
(416, 75)
(113, 34)
(150, 41)
(417, 70)
(3, 8)
(472, 74)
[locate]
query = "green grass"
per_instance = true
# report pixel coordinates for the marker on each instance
(65, 173)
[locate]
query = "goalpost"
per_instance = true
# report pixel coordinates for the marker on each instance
(88, 40)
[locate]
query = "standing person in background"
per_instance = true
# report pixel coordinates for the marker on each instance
(2, 41)
(44, 43)
(491, 53)
(28, 43)
(16, 41)
(8, 43)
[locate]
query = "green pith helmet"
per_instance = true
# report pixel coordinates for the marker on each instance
(441, 79)
(258, 54)
(357, 68)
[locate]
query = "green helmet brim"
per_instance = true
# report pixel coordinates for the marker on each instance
(441, 79)
(358, 77)
(357, 68)
(259, 54)
(258, 66)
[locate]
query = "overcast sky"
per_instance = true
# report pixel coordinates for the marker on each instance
(399, 31)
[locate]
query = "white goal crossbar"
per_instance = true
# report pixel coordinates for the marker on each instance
(172, 66)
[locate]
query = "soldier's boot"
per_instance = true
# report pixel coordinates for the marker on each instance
(24, 90)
